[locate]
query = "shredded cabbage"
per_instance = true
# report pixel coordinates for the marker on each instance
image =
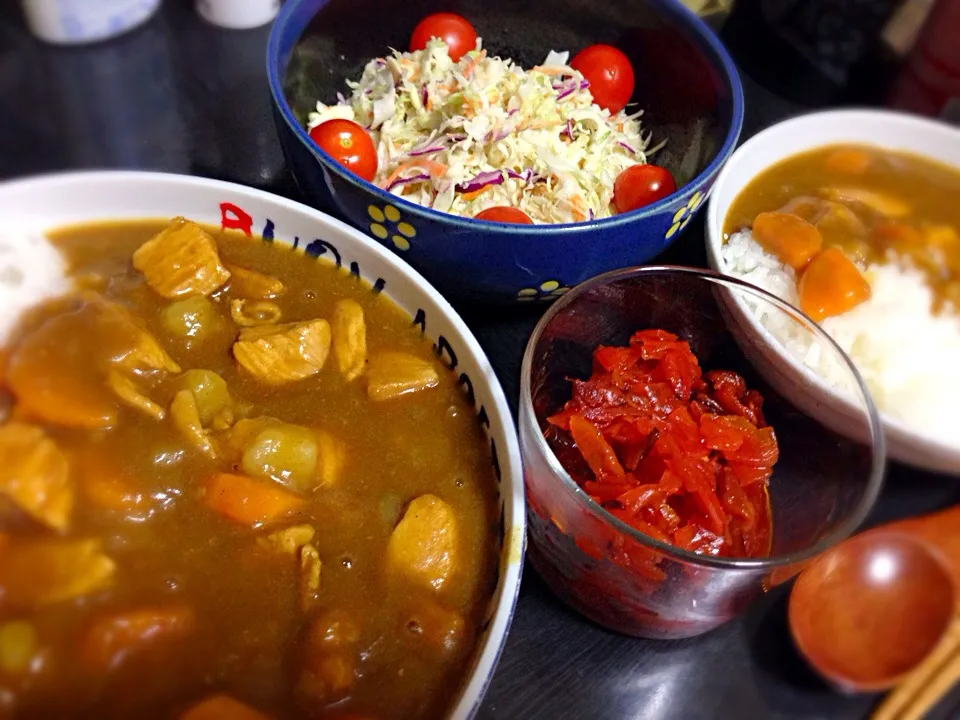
(460, 137)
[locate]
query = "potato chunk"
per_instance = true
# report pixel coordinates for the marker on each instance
(43, 572)
(210, 392)
(193, 318)
(181, 260)
(284, 353)
(285, 453)
(423, 545)
(393, 374)
(349, 338)
(34, 474)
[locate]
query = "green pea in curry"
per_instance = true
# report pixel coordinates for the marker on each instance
(236, 483)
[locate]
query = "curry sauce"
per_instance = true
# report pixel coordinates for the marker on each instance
(875, 205)
(238, 478)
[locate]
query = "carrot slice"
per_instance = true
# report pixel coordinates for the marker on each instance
(248, 501)
(789, 237)
(595, 449)
(58, 398)
(848, 161)
(431, 166)
(222, 707)
(831, 285)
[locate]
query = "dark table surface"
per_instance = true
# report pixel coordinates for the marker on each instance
(179, 95)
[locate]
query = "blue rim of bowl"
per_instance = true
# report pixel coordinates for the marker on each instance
(704, 37)
(844, 529)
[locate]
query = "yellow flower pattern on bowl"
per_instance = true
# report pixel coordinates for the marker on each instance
(388, 223)
(685, 214)
(548, 290)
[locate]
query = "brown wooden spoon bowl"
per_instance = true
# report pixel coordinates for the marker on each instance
(869, 610)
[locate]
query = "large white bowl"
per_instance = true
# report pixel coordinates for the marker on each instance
(894, 131)
(52, 201)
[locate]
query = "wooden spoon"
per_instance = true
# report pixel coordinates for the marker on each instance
(927, 683)
(868, 611)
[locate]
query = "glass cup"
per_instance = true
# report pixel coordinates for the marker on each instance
(826, 480)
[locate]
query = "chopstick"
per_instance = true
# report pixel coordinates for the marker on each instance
(927, 683)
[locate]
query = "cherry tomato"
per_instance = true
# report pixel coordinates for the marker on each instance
(348, 144)
(454, 30)
(641, 185)
(609, 73)
(504, 214)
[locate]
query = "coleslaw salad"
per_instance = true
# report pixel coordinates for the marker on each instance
(461, 137)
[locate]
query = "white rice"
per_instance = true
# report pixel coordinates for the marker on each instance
(909, 357)
(31, 270)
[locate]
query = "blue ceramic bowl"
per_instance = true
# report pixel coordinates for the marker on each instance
(686, 83)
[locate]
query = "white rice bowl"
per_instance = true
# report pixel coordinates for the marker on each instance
(918, 432)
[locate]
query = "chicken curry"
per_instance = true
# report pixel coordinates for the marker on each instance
(235, 483)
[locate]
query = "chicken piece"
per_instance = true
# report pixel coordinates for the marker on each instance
(881, 203)
(806, 207)
(34, 474)
(288, 541)
(252, 314)
(186, 418)
(253, 285)
(310, 566)
(332, 457)
(128, 343)
(284, 353)
(181, 260)
(349, 338)
(840, 225)
(43, 572)
(125, 389)
(423, 545)
(393, 374)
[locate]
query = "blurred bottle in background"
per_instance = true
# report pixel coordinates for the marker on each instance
(116, 102)
(929, 82)
(225, 96)
(238, 14)
(72, 22)
(713, 12)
